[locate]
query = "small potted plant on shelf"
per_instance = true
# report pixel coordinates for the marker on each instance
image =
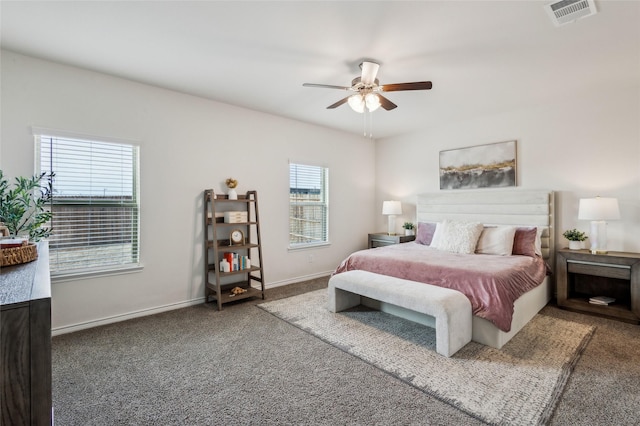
(575, 238)
(231, 184)
(408, 228)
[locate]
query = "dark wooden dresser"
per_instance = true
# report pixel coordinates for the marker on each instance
(25, 342)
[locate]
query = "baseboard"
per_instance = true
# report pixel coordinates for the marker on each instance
(123, 317)
(156, 310)
(298, 279)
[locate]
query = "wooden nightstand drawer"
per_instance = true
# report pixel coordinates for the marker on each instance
(599, 270)
(380, 243)
(383, 239)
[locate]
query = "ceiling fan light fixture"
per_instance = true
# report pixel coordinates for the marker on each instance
(366, 89)
(372, 101)
(357, 103)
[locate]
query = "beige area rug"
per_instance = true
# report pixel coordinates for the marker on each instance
(516, 385)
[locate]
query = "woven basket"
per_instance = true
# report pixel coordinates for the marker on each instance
(18, 255)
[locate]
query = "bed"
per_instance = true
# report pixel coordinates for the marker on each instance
(502, 303)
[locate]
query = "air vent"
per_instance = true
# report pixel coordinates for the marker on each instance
(567, 11)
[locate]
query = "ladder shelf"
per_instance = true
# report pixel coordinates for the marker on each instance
(244, 254)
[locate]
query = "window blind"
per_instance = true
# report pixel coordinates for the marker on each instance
(308, 205)
(95, 204)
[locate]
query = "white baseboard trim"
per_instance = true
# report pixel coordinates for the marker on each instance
(298, 279)
(170, 307)
(123, 317)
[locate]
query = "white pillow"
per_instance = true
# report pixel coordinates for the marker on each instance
(436, 235)
(496, 240)
(457, 237)
(538, 243)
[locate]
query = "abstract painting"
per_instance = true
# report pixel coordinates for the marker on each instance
(483, 166)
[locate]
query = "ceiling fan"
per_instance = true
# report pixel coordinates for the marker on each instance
(368, 90)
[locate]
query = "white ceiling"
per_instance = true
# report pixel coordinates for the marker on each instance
(483, 57)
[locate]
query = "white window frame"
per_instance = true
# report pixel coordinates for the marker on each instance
(323, 203)
(128, 264)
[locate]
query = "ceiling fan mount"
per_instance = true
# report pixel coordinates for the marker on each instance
(368, 89)
(357, 83)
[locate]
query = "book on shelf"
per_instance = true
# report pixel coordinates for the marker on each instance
(237, 262)
(601, 300)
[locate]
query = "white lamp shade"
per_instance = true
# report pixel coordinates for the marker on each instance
(373, 101)
(356, 103)
(598, 209)
(391, 207)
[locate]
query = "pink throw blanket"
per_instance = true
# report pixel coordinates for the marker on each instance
(492, 283)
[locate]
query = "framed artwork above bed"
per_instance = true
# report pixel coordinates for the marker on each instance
(482, 166)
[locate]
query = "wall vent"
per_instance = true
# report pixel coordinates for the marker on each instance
(567, 11)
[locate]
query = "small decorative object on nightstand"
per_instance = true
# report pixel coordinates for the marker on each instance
(381, 239)
(409, 228)
(575, 238)
(586, 281)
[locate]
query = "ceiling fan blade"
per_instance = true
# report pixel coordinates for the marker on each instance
(386, 103)
(418, 85)
(326, 86)
(340, 102)
(369, 72)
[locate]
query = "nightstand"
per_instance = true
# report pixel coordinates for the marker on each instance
(581, 275)
(380, 239)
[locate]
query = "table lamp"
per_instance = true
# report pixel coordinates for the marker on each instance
(598, 210)
(391, 209)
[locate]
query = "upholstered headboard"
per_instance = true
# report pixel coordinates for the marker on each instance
(494, 207)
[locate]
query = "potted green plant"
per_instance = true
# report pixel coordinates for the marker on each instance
(408, 228)
(575, 238)
(23, 206)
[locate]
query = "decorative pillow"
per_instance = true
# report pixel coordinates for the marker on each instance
(457, 237)
(496, 240)
(524, 241)
(425, 232)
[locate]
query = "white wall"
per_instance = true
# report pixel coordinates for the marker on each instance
(187, 144)
(580, 147)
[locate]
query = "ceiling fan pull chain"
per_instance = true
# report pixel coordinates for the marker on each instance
(364, 124)
(370, 125)
(367, 124)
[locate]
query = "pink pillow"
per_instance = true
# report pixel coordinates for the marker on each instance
(425, 233)
(524, 242)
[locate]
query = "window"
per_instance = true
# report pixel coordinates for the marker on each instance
(95, 203)
(308, 205)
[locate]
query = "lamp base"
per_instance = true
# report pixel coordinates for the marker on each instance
(392, 224)
(598, 237)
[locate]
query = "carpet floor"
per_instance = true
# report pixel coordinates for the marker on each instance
(516, 385)
(242, 365)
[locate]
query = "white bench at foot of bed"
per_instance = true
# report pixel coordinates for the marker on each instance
(450, 308)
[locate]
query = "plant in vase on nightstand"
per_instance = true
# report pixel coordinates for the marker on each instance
(575, 238)
(408, 228)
